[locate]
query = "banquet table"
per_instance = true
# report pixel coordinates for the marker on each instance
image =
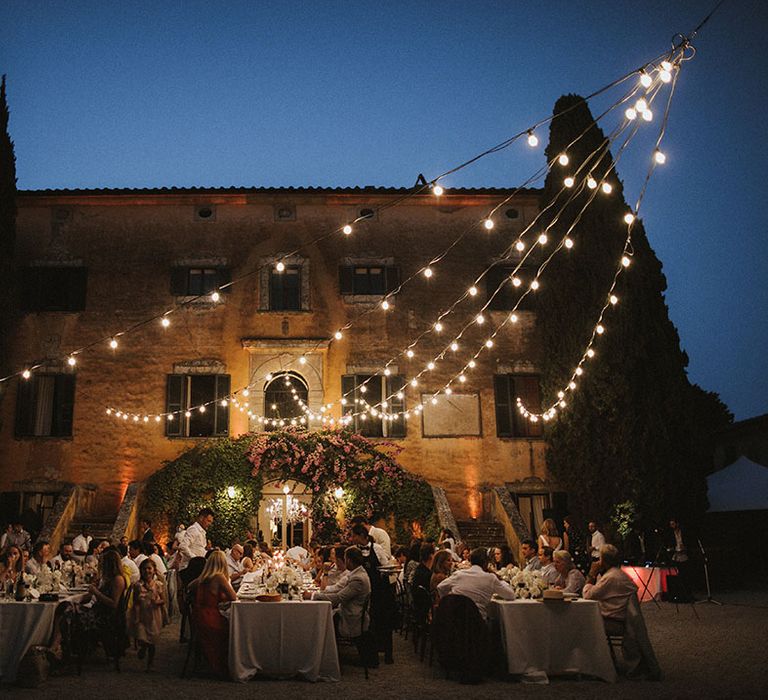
(554, 638)
(285, 639)
(651, 582)
(22, 625)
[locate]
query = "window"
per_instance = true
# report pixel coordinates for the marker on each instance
(44, 405)
(359, 389)
(186, 392)
(285, 289)
(368, 279)
(54, 288)
(509, 422)
(278, 396)
(500, 277)
(196, 281)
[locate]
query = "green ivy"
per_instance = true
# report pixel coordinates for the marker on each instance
(323, 460)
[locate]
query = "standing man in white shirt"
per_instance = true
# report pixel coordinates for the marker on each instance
(377, 534)
(598, 540)
(476, 583)
(195, 539)
(81, 543)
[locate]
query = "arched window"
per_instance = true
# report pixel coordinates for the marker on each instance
(282, 395)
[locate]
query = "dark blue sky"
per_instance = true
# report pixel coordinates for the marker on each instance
(117, 94)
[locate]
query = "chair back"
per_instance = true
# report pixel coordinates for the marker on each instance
(460, 636)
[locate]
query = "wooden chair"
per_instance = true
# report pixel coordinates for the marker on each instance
(193, 648)
(362, 642)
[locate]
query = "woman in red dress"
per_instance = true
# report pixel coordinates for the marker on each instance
(211, 588)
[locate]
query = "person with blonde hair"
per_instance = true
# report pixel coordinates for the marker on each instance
(207, 591)
(549, 536)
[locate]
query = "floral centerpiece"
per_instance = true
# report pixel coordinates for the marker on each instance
(284, 579)
(46, 581)
(526, 584)
(72, 574)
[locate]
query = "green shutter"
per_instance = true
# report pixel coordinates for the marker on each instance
(221, 426)
(393, 278)
(179, 281)
(346, 279)
(224, 275)
(503, 407)
(63, 405)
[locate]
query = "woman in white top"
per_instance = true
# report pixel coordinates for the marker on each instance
(549, 536)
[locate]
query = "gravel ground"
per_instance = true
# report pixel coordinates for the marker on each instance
(723, 654)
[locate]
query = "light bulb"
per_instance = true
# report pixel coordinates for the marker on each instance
(562, 404)
(430, 366)
(489, 343)
(579, 371)
(385, 305)
(454, 346)
(473, 291)
(563, 159)
(363, 390)
(337, 335)
(437, 190)
(590, 352)
(109, 411)
(568, 243)
(202, 409)
(648, 115)
(338, 492)
(438, 327)
(630, 113)
(26, 374)
(223, 403)
(409, 353)
(513, 318)
(520, 246)
(215, 296)
(659, 157)
(135, 419)
(113, 344)
(613, 299)
(600, 329)
(665, 76)
(560, 394)
(414, 382)
(641, 105)
(471, 364)
(628, 218)
(157, 419)
(516, 282)
(386, 374)
(146, 419)
(533, 140)
(568, 182)
(625, 261)
(543, 239)
(280, 267)
(187, 414)
(607, 187)
(645, 79)
(434, 400)
(400, 395)
(165, 322)
(347, 229)
(488, 223)
(170, 416)
(302, 360)
(571, 385)
(246, 392)
(666, 65)
(535, 285)
(71, 361)
(591, 183)
(428, 272)
(448, 391)
(462, 378)
(268, 378)
(480, 319)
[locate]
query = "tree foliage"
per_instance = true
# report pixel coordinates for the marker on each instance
(631, 431)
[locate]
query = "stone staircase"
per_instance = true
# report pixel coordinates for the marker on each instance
(479, 533)
(101, 528)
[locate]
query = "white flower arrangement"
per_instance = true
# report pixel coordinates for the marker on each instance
(526, 584)
(46, 581)
(284, 577)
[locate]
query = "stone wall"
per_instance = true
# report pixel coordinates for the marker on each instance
(130, 241)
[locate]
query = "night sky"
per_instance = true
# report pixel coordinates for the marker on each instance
(143, 94)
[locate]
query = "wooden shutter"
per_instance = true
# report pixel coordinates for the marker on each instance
(63, 405)
(503, 407)
(25, 406)
(346, 279)
(221, 426)
(398, 427)
(527, 388)
(175, 401)
(77, 288)
(179, 281)
(224, 275)
(393, 277)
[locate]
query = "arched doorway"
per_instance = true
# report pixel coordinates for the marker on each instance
(284, 395)
(284, 514)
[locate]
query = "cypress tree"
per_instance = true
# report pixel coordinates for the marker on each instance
(7, 232)
(629, 431)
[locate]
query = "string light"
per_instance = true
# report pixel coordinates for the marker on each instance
(215, 296)
(488, 223)
(280, 267)
(437, 190)
(520, 246)
(113, 344)
(543, 239)
(338, 335)
(628, 218)
(568, 182)
(165, 322)
(428, 272)
(533, 140)
(71, 361)
(607, 187)
(26, 374)
(591, 183)
(346, 231)
(659, 157)
(473, 291)
(385, 305)
(563, 159)
(568, 242)
(645, 79)
(630, 113)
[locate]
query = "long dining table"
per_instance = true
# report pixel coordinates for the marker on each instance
(22, 625)
(282, 639)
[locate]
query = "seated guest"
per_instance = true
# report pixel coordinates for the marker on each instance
(442, 566)
(18, 537)
(10, 565)
(530, 556)
(446, 546)
(548, 570)
(136, 551)
(41, 554)
(494, 559)
(611, 587)
(265, 550)
(447, 536)
(569, 579)
(413, 560)
(207, 591)
(235, 564)
(321, 563)
(349, 598)
(401, 557)
(464, 553)
(299, 555)
(423, 572)
(336, 576)
(65, 554)
(476, 583)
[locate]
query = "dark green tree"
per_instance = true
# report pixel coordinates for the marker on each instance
(7, 233)
(630, 430)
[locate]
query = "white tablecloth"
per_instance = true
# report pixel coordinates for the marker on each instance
(22, 625)
(283, 639)
(542, 638)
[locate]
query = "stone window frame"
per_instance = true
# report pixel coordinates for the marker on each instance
(190, 300)
(268, 265)
(193, 368)
(364, 260)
